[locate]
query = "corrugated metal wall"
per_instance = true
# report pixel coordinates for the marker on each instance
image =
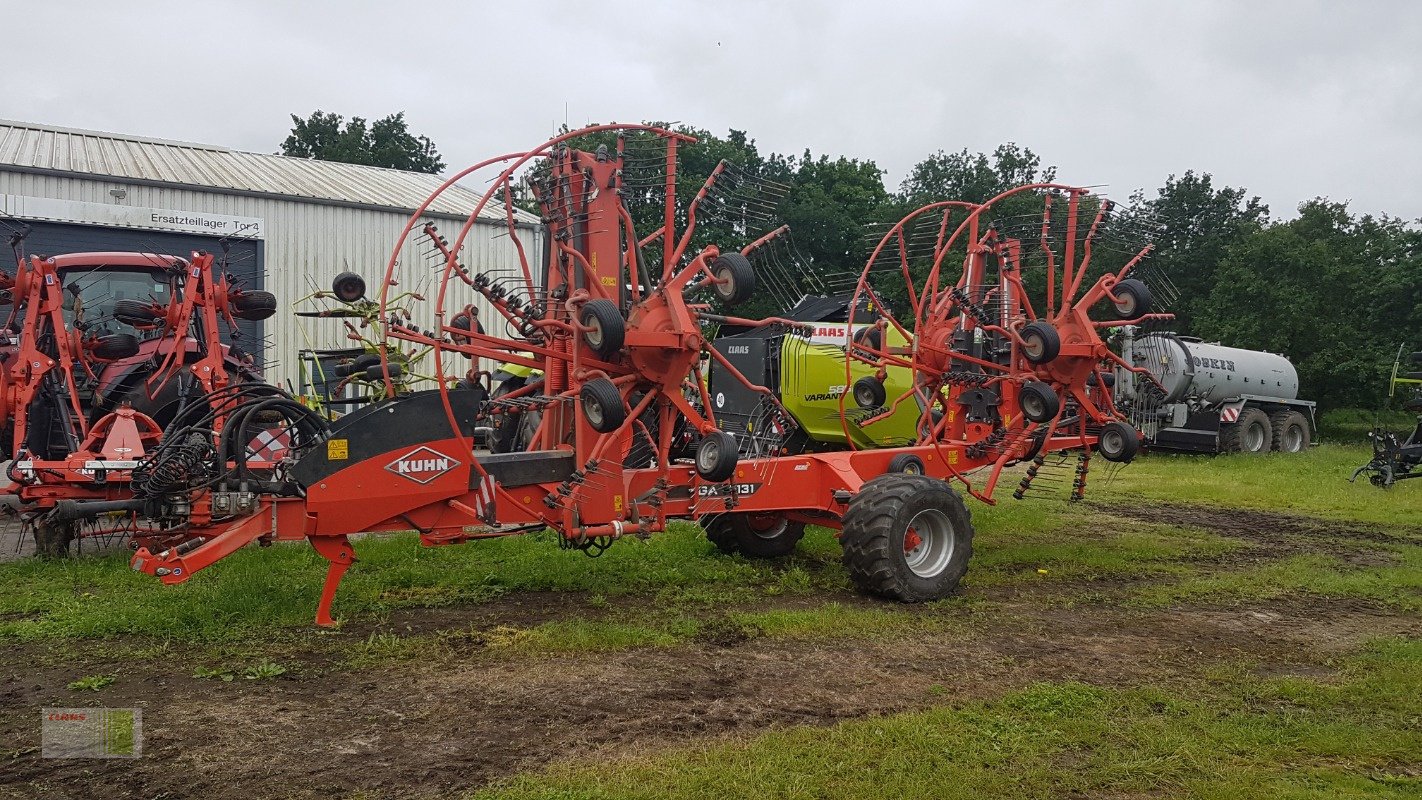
(307, 244)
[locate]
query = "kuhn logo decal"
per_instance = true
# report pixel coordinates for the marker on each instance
(422, 465)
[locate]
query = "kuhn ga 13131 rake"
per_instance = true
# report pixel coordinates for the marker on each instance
(611, 331)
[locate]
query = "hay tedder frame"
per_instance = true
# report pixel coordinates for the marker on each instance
(612, 327)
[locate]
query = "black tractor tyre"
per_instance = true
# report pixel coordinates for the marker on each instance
(606, 328)
(907, 537)
(906, 464)
(754, 535)
(735, 276)
(115, 346)
(1134, 297)
(1251, 433)
(1118, 442)
(1039, 403)
(869, 393)
(1289, 431)
(1040, 341)
(348, 287)
(136, 313)
(602, 405)
(716, 456)
(254, 306)
(52, 539)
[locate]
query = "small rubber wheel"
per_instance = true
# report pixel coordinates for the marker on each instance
(136, 313)
(1134, 298)
(869, 392)
(871, 338)
(375, 372)
(1038, 402)
(464, 321)
(254, 306)
(606, 330)
(114, 346)
(907, 538)
(602, 405)
(1291, 432)
(348, 287)
(1040, 341)
(754, 535)
(1118, 442)
(716, 456)
(735, 278)
(906, 464)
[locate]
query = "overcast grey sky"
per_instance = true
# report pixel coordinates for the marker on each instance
(1290, 99)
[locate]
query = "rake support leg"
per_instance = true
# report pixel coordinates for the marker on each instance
(337, 550)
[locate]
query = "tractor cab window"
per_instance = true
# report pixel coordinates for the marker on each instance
(97, 289)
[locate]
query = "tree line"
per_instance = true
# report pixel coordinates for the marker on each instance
(1336, 292)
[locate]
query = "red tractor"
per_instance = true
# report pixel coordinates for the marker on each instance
(613, 332)
(102, 351)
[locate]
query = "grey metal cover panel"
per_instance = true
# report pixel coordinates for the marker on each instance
(31, 146)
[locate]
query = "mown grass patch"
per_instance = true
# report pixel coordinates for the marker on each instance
(1285, 737)
(1313, 483)
(1397, 584)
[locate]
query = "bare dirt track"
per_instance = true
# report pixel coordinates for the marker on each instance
(440, 728)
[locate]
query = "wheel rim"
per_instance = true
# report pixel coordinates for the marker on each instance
(767, 527)
(1033, 346)
(728, 288)
(1127, 307)
(593, 411)
(708, 454)
(1293, 440)
(1112, 443)
(1254, 438)
(593, 336)
(929, 543)
(863, 397)
(1034, 406)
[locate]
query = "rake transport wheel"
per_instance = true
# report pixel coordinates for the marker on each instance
(1290, 431)
(735, 278)
(907, 537)
(1251, 434)
(754, 535)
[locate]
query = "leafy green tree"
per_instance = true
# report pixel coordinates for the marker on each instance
(1334, 292)
(1198, 225)
(385, 143)
(974, 177)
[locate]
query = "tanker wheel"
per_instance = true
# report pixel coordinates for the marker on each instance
(1251, 434)
(754, 535)
(907, 538)
(52, 539)
(1290, 432)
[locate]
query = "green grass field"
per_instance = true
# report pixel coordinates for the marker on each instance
(1279, 538)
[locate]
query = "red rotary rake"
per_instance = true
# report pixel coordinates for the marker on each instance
(89, 378)
(611, 326)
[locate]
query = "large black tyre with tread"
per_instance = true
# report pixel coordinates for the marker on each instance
(1289, 431)
(1251, 434)
(907, 537)
(754, 535)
